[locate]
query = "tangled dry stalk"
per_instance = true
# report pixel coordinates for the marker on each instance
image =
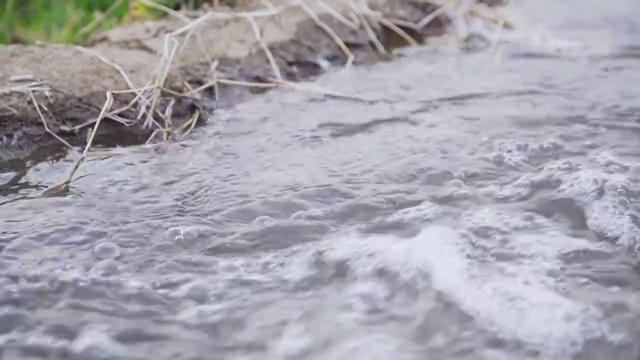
(358, 15)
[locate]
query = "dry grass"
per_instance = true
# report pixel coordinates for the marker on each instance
(145, 102)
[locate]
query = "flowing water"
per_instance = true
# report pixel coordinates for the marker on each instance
(483, 206)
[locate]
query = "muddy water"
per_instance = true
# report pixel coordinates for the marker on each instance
(481, 206)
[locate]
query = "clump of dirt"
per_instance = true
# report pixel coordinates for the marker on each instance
(76, 91)
(52, 94)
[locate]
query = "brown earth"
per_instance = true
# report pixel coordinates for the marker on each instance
(78, 81)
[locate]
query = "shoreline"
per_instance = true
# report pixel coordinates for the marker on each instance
(160, 86)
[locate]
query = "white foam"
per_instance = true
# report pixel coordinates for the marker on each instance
(370, 347)
(606, 200)
(611, 216)
(422, 212)
(517, 300)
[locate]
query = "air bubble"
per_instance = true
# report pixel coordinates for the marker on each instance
(106, 250)
(187, 236)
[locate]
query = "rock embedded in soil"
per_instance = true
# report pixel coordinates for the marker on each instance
(78, 80)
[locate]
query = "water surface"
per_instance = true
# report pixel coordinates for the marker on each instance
(482, 206)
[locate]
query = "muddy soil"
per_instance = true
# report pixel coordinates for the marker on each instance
(78, 79)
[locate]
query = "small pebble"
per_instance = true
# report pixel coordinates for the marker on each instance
(106, 250)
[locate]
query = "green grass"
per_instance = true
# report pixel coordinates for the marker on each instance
(66, 21)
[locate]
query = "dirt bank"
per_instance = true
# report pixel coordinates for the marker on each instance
(165, 77)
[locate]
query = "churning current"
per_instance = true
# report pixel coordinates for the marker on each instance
(481, 205)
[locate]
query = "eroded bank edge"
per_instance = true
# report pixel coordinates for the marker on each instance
(307, 53)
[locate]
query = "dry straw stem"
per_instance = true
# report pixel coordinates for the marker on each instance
(265, 48)
(64, 186)
(331, 11)
(368, 14)
(117, 67)
(187, 127)
(433, 15)
(483, 11)
(372, 35)
(25, 88)
(331, 33)
(169, 11)
(26, 83)
(34, 101)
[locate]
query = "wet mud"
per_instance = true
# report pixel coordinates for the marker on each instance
(78, 79)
